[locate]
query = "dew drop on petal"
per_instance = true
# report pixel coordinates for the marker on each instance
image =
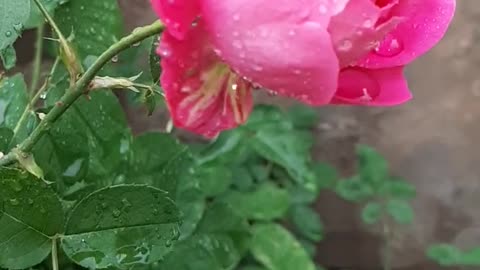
(389, 47)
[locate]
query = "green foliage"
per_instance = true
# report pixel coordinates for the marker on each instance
(31, 215)
(36, 17)
(14, 16)
(121, 226)
(94, 26)
(448, 255)
(277, 249)
(113, 199)
(9, 57)
(385, 197)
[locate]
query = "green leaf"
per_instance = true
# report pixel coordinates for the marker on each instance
(192, 205)
(242, 178)
(13, 100)
(400, 211)
(227, 148)
(154, 61)
(267, 202)
(97, 136)
(13, 16)
(444, 254)
(303, 116)
(213, 180)
(354, 190)
(307, 222)
(94, 25)
(326, 176)
(398, 189)
(373, 168)
(36, 18)
(276, 140)
(252, 268)
(371, 213)
(162, 169)
(203, 252)
(31, 215)
(471, 257)
(121, 226)
(277, 249)
(221, 217)
(9, 57)
(6, 136)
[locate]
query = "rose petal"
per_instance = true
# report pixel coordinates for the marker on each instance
(202, 93)
(377, 87)
(358, 29)
(177, 15)
(279, 45)
(426, 22)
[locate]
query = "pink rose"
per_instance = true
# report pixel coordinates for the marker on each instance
(214, 53)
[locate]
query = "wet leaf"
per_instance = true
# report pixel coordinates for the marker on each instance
(160, 160)
(13, 101)
(14, 15)
(9, 57)
(203, 252)
(36, 17)
(277, 249)
(121, 226)
(94, 25)
(267, 202)
(30, 216)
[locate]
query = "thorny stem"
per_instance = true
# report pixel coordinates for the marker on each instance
(50, 21)
(81, 87)
(34, 100)
(38, 57)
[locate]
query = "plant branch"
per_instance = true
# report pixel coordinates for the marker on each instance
(54, 254)
(81, 87)
(38, 58)
(50, 21)
(34, 100)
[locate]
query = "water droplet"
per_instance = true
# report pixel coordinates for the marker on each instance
(389, 47)
(18, 27)
(358, 86)
(115, 59)
(8, 33)
(116, 213)
(14, 202)
(345, 45)
(16, 186)
(168, 243)
(30, 201)
(126, 203)
(104, 205)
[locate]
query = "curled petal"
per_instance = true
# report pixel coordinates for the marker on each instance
(377, 87)
(282, 46)
(426, 22)
(203, 95)
(177, 15)
(359, 28)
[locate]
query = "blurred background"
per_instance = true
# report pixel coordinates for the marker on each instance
(430, 141)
